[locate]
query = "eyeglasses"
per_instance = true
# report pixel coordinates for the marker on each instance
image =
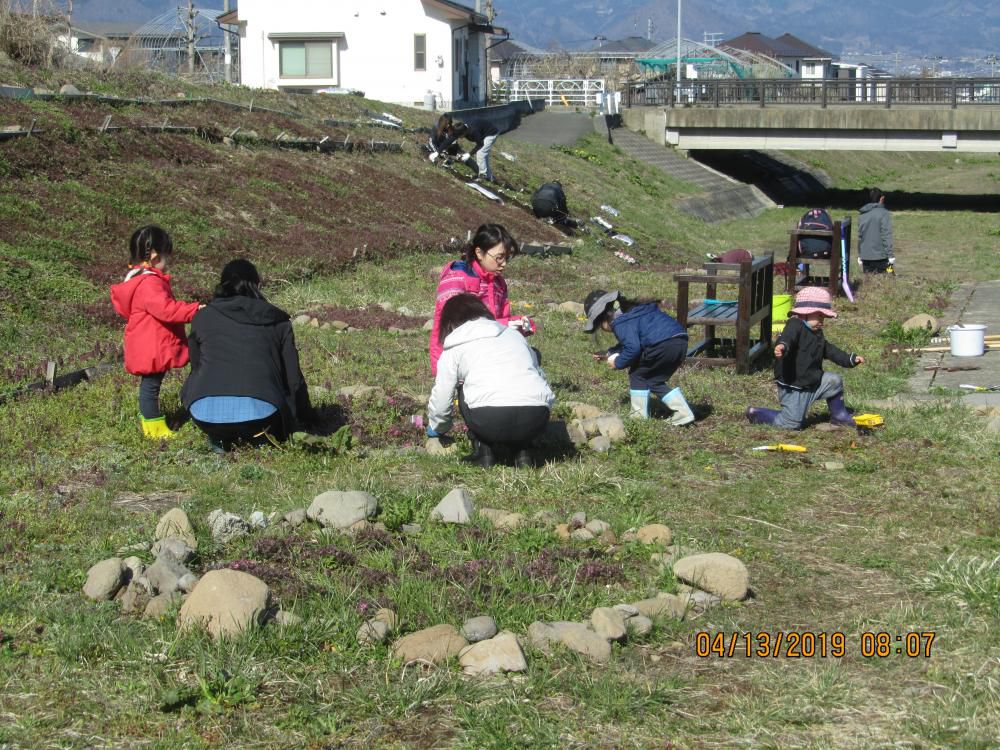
(501, 259)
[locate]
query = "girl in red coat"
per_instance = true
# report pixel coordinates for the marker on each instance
(155, 340)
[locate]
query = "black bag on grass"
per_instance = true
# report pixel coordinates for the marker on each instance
(816, 219)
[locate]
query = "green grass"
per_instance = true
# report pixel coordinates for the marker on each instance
(903, 540)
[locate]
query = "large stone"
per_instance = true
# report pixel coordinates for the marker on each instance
(923, 322)
(436, 645)
(175, 522)
(341, 510)
(581, 410)
(68, 89)
(160, 605)
(226, 602)
(434, 447)
(582, 535)
(165, 574)
(662, 606)
(715, 572)
(573, 635)
(227, 526)
(135, 598)
(455, 507)
(105, 579)
(639, 625)
(296, 517)
(510, 522)
(597, 526)
(372, 632)
(478, 629)
(173, 546)
(576, 433)
(488, 657)
(608, 623)
(600, 444)
(655, 533)
(612, 427)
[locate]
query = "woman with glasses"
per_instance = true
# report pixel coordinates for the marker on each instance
(480, 272)
(245, 382)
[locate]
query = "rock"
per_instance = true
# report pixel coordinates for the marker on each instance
(175, 522)
(258, 520)
(599, 444)
(286, 619)
(582, 535)
(639, 625)
(165, 574)
(612, 427)
(510, 522)
(435, 447)
(590, 426)
(544, 518)
(655, 533)
(339, 325)
(562, 531)
(576, 433)
(42, 91)
(160, 606)
(833, 465)
(341, 510)
(491, 514)
(314, 323)
(456, 507)
(301, 320)
(489, 657)
(372, 632)
(923, 322)
(130, 549)
(358, 526)
(68, 89)
(608, 623)
(411, 528)
(575, 308)
(665, 606)
(702, 600)
(295, 518)
(435, 645)
(105, 579)
(226, 602)
(135, 598)
(597, 527)
(429, 325)
(573, 635)
(173, 546)
(608, 537)
(387, 306)
(388, 617)
(578, 520)
(135, 566)
(226, 526)
(715, 572)
(630, 536)
(478, 629)
(626, 610)
(581, 410)
(187, 582)
(361, 391)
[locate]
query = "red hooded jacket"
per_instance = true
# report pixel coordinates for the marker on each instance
(155, 340)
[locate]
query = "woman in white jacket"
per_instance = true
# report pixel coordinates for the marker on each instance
(504, 398)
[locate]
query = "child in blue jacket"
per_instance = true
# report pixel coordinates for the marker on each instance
(651, 344)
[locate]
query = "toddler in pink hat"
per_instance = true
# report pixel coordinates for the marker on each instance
(798, 366)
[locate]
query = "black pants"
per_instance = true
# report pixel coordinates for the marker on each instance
(875, 266)
(149, 395)
(656, 364)
(515, 426)
(230, 433)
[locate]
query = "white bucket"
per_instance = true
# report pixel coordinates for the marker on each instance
(967, 340)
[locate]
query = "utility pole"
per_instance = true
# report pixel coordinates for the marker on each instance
(992, 60)
(678, 49)
(227, 49)
(69, 25)
(649, 29)
(190, 37)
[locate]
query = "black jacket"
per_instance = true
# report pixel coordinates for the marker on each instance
(549, 201)
(474, 130)
(801, 367)
(242, 346)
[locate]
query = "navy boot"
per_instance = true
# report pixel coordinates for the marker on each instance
(838, 412)
(760, 415)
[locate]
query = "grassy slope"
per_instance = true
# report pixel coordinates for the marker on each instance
(844, 551)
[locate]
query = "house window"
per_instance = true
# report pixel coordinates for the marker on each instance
(306, 59)
(420, 52)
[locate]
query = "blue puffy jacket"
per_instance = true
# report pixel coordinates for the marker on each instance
(642, 326)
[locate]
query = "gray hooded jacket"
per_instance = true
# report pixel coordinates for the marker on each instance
(875, 233)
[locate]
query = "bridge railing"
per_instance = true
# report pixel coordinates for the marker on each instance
(582, 92)
(887, 92)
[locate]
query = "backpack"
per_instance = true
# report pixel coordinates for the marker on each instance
(816, 219)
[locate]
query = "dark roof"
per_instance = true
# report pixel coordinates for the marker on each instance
(784, 46)
(106, 30)
(631, 44)
(510, 48)
(808, 50)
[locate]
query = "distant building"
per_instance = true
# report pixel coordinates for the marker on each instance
(100, 42)
(805, 59)
(404, 51)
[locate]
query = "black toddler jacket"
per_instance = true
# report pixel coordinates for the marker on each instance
(801, 368)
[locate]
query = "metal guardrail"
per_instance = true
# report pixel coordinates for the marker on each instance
(581, 92)
(886, 92)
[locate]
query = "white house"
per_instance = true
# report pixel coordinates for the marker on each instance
(399, 51)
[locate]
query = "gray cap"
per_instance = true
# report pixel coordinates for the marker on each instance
(595, 305)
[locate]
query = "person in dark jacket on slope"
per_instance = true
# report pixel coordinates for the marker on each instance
(481, 132)
(245, 381)
(651, 344)
(798, 366)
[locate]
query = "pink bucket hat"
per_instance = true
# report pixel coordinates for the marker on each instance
(813, 299)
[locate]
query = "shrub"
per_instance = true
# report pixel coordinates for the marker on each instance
(29, 39)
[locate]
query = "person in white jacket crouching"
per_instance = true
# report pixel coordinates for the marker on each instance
(502, 392)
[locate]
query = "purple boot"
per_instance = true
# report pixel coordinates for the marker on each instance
(760, 415)
(838, 412)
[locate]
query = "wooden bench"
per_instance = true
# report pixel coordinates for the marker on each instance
(824, 272)
(754, 282)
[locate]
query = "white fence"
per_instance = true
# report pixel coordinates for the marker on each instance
(570, 92)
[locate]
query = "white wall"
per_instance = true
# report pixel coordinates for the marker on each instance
(375, 54)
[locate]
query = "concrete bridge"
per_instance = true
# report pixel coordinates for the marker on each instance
(885, 115)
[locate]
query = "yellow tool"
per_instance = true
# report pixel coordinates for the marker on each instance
(784, 447)
(869, 421)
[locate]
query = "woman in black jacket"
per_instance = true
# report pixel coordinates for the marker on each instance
(481, 132)
(245, 382)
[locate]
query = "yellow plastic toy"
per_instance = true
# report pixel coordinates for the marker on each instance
(868, 421)
(783, 447)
